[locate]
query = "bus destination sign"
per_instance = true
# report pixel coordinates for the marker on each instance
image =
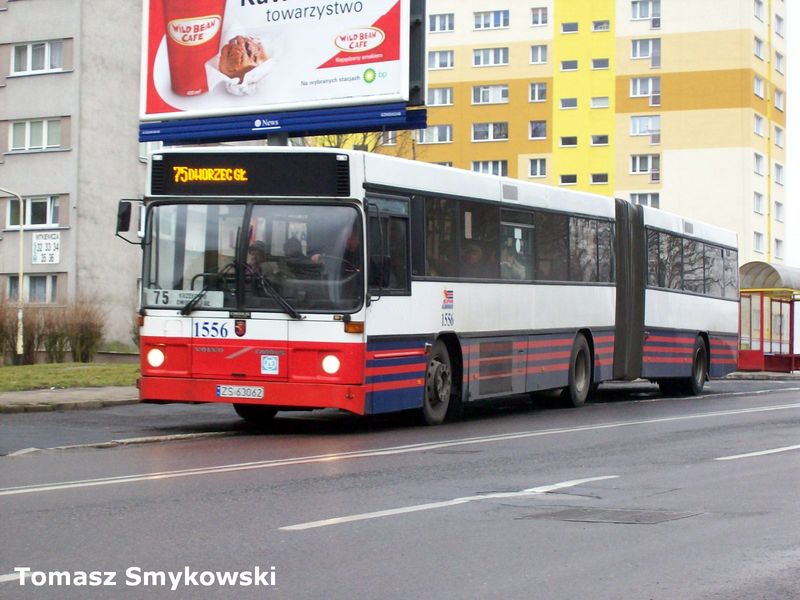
(250, 174)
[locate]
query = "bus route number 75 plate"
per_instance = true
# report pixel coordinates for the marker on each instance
(240, 391)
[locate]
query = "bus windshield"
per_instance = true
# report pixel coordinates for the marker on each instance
(254, 257)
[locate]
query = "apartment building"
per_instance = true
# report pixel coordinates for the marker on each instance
(69, 93)
(676, 104)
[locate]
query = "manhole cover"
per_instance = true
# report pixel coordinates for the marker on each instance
(615, 515)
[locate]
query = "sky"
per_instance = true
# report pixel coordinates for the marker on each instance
(793, 131)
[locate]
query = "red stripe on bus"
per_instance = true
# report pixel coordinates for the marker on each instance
(548, 368)
(549, 343)
(671, 349)
(382, 355)
(547, 356)
(409, 369)
(670, 340)
(387, 386)
(666, 360)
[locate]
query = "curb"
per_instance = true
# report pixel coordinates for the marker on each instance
(28, 407)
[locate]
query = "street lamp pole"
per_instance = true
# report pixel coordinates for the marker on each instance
(20, 338)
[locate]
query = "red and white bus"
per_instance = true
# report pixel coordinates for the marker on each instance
(296, 279)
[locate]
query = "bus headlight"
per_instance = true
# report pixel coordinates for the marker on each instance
(331, 364)
(155, 357)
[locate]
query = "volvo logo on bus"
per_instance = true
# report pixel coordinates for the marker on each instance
(240, 327)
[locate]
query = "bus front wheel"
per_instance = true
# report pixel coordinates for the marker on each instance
(255, 413)
(439, 386)
(580, 374)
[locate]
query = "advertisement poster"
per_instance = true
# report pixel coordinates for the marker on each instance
(205, 58)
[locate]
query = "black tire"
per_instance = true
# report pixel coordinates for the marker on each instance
(693, 386)
(255, 413)
(440, 399)
(580, 374)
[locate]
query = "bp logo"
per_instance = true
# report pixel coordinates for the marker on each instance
(370, 75)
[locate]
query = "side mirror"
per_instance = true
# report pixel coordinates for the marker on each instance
(124, 210)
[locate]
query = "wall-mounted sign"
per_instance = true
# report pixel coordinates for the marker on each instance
(46, 248)
(205, 58)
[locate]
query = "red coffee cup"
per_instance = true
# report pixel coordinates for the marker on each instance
(194, 28)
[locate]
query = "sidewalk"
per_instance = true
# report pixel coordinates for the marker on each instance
(67, 399)
(100, 397)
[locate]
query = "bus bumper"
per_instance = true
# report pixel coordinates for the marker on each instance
(293, 396)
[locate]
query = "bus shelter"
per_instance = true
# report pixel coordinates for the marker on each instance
(769, 337)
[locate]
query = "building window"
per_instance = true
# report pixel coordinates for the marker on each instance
(758, 242)
(435, 134)
(40, 211)
(646, 199)
(599, 63)
(40, 289)
(493, 19)
(779, 174)
(441, 23)
(569, 65)
(569, 27)
(446, 163)
(599, 178)
(758, 86)
(778, 99)
(758, 47)
(645, 9)
(538, 55)
(539, 16)
(758, 125)
(601, 25)
(487, 132)
(645, 163)
(569, 103)
(779, 216)
(758, 203)
(645, 125)
(600, 140)
(778, 248)
(570, 179)
(758, 163)
(779, 136)
(779, 63)
(38, 57)
(600, 102)
(490, 94)
(440, 59)
(779, 31)
(440, 96)
(646, 48)
(569, 141)
(643, 87)
(37, 134)
(538, 130)
(537, 167)
(489, 57)
(389, 138)
(492, 167)
(538, 92)
(758, 9)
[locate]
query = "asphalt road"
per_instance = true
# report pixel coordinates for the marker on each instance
(635, 496)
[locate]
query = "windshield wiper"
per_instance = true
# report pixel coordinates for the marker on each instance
(267, 287)
(190, 305)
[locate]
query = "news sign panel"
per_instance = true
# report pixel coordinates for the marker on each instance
(205, 58)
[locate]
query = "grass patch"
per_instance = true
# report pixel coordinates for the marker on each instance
(66, 375)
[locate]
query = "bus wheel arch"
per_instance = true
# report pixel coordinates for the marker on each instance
(443, 376)
(580, 371)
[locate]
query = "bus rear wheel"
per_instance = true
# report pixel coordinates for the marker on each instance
(693, 386)
(580, 374)
(255, 413)
(439, 398)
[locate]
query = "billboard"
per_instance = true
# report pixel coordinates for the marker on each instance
(210, 58)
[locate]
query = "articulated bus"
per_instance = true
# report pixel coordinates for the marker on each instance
(298, 279)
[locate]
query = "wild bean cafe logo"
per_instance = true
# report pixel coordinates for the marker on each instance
(360, 39)
(194, 31)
